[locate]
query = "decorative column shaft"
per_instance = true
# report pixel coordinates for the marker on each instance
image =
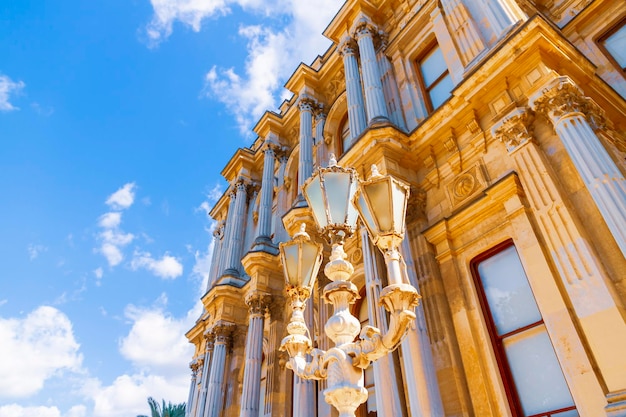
(499, 14)
(418, 364)
(218, 234)
(193, 387)
(210, 338)
(263, 240)
(320, 120)
(237, 221)
(305, 167)
(467, 36)
(387, 390)
(356, 112)
(570, 111)
(250, 396)
(583, 276)
(228, 228)
(374, 97)
(390, 87)
(215, 391)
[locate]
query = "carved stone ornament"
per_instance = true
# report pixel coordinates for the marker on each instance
(347, 46)
(515, 129)
(466, 185)
(223, 333)
(306, 103)
(258, 302)
(561, 97)
(416, 206)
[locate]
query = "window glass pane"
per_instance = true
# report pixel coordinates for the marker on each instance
(432, 66)
(510, 299)
(441, 91)
(345, 135)
(538, 377)
(616, 45)
(571, 413)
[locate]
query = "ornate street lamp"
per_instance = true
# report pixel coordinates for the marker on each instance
(381, 201)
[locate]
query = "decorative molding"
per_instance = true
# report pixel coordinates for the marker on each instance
(515, 129)
(463, 187)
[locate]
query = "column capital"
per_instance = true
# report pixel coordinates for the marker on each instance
(269, 146)
(347, 46)
(364, 27)
(320, 113)
(223, 332)
(515, 129)
(561, 97)
(381, 42)
(196, 365)
(258, 302)
(307, 103)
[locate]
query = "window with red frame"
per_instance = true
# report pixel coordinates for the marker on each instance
(435, 79)
(531, 373)
(613, 43)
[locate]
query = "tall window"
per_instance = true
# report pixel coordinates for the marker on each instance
(531, 373)
(344, 134)
(614, 44)
(435, 78)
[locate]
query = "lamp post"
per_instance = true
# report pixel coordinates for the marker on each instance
(332, 193)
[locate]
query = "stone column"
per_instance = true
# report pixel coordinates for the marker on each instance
(356, 112)
(193, 387)
(218, 234)
(257, 304)
(500, 15)
(387, 391)
(417, 358)
(467, 36)
(210, 339)
(228, 227)
(215, 390)
(320, 120)
(305, 166)
(390, 87)
(573, 115)
(584, 279)
(237, 222)
(374, 98)
(264, 241)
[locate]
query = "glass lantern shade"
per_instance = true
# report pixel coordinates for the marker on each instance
(301, 261)
(381, 201)
(329, 192)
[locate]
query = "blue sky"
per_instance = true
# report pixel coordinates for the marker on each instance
(116, 118)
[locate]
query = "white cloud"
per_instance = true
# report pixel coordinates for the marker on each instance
(290, 33)
(122, 198)
(159, 352)
(35, 250)
(98, 272)
(127, 395)
(34, 349)
(157, 341)
(168, 267)
(8, 87)
(112, 253)
(77, 411)
(16, 410)
(110, 220)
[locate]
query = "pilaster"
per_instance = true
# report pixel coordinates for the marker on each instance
(390, 86)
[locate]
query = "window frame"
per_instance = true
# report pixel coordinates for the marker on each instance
(425, 91)
(497, 341)
(599, 40)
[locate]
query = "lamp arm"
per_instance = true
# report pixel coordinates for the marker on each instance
(315, 369)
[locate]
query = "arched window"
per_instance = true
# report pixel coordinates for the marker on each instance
(531, 373)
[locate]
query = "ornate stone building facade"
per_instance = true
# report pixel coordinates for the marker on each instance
(508, 120)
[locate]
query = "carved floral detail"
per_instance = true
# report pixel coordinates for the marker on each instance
(515, 129)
